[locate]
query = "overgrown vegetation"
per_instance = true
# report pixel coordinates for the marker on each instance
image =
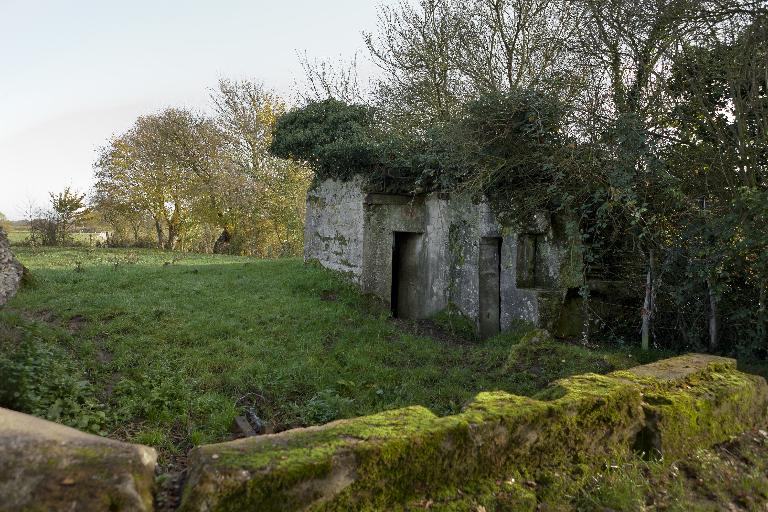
(643, 124)
(167, 349)
(731, 476)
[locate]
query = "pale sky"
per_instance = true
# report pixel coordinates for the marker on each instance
(75, 72)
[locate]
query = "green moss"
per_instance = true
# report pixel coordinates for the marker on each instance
(554, 440)
(506, 495)
(698, 402)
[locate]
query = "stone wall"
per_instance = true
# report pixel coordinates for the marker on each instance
(399, 459)
(407, 456)
(11, 271)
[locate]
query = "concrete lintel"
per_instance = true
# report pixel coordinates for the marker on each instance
(392, 199)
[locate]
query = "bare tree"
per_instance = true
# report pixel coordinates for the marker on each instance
(438, 53)
(324, 78)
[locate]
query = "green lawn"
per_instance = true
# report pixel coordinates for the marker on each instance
(20, 237)
(16, 237)
(168, 349)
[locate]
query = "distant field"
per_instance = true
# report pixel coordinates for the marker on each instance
(17, 237)
(167, 349)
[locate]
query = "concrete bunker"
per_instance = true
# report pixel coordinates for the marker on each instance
(424, 253)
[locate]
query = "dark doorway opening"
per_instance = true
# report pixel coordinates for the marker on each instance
(406, 296)
(490, 287)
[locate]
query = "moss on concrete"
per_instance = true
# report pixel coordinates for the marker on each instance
(686, 409)
(390, 459)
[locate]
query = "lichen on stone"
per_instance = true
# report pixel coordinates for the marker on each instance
(388, 460)
(47, 466)
(11, 271)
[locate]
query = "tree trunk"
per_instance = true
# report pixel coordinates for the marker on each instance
(221, 246)
(647, 305)
(160, 237)
(585, 311)
(171, 240)
(712, 318)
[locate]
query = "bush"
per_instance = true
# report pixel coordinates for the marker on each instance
(335, 138)
(500, 143)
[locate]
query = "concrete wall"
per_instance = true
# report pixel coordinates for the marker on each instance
(333, 232)
(395, 459)
(470, 221)
(353, 231)
(428, 216)
(437, 279)
(383, 215)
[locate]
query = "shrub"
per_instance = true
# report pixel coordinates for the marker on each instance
(335, 138)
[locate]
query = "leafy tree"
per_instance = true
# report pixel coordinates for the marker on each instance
(270, 218)
(717, 151)
(141, 164)
(67, 206)
(206, 183)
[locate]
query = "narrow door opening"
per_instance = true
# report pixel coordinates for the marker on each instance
(406, 273)
(490, 287)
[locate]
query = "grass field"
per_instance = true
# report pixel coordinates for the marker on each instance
(167, 350)
(17, 237)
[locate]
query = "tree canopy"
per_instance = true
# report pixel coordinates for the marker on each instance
(205, 183)
(644, 121)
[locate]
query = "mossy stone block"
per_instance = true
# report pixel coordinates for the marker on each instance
(387, 460)
(46, 466)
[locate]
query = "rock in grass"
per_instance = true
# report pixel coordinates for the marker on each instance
(47, 466)
(11, 271)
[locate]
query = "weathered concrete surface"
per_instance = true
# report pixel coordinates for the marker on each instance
(353, 231)
(333, 231)
(384, 215)
(11, 271)
(437, 276)
(47, 466)
(380, 462)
